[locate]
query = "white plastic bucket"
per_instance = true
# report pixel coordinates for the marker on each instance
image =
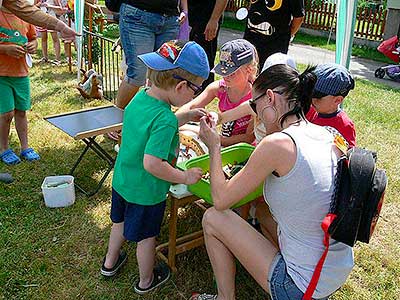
(58, 191)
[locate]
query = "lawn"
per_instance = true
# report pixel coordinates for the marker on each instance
(56, 253)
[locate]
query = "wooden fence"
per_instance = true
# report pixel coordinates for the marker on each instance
(321, 15)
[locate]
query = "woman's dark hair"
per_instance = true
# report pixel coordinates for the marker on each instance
(296, 87)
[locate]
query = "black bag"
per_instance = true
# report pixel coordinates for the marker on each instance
(355, 206)
(114, 5)
(359, 197)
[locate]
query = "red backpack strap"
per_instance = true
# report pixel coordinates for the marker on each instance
(326, 222)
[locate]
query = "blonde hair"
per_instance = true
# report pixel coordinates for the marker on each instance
(254, 65)
(165, 80)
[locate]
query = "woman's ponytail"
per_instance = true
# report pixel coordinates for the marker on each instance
(307, 81)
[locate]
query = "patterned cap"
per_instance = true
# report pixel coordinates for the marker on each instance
(188, 56)
(232, 55)
(332, 79)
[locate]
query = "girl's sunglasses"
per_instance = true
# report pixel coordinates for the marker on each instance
(195, 88)
(253, 103)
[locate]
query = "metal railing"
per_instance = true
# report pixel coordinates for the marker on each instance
(100, 54)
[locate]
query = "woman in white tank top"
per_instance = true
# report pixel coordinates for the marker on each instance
(296, 161)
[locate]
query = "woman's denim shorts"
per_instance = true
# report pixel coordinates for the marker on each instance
(281, 285)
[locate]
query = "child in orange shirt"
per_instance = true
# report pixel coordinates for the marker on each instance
(17, 41)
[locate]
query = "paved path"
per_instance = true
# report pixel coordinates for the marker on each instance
(304, 54)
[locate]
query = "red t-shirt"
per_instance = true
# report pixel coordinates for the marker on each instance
(338, 120)
(10, 66)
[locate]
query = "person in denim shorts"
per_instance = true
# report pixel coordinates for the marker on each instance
(144, 26)
(296, 163)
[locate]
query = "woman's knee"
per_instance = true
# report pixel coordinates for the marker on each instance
(211, 219)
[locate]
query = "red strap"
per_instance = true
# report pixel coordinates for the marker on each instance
(326, 222)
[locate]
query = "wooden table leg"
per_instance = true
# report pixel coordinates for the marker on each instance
(172, 234)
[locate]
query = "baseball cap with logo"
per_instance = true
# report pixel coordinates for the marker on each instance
(188, 56)
(279, 59)
(233, 55)
(332, 79)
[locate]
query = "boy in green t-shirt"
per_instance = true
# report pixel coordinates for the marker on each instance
(144, 168)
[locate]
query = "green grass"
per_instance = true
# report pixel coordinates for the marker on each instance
(56, 253)
(316, 41)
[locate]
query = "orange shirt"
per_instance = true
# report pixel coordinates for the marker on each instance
(10, 66)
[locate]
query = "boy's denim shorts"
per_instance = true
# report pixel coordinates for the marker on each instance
(281, 285)
(140, 221)
(15, 93)
(142, 32)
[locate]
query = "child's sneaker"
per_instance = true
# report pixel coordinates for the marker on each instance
(161, 275)
(109, 272)
(203, 297)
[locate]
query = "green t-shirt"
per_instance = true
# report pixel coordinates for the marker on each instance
(149, 127)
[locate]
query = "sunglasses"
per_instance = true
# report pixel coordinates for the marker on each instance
(253, 103)
(194, 87)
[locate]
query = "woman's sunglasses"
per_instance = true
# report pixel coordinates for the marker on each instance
(253, 103)
(195, 88)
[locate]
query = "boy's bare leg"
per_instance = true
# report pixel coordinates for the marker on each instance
(21, 124)
(126, 92)
(5, 122)
(146, 256)
(114, 244)
(253, 250)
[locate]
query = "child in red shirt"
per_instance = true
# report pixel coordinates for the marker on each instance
(17, 41)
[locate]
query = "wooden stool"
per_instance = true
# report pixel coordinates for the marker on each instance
(177, 245)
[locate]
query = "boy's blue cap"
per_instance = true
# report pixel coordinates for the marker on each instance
(332, 79)
(174, 54)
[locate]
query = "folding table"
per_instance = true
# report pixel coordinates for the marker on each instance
(85, 125)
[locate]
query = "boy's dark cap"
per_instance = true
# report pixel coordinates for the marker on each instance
(174, 54)
(234, 54)
(332, 79)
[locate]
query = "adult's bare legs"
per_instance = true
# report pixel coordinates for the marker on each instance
(45, 53)
(267, 223)
(126, 92)
(252, 249)
(21, 125)
(57, 46)
(114, 244)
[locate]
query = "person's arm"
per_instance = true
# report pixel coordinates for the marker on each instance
(275, 153)
(163, 170)
(239, 111)
(295, 25)
(203, 99)
(212, 26)
(33, 15)
(194, 114)
(183, 6)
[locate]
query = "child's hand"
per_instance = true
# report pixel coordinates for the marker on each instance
(193, 175)
(15, 51)
(31, 46)
(196, 114)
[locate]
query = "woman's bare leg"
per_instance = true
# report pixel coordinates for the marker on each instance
(228, 236)
(267, 223)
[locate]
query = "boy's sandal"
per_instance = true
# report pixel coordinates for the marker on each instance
(203, 297)
(29, 154)
(161, 275)
(56, 62)
(43, 60)
(109, 272)
(9, 157)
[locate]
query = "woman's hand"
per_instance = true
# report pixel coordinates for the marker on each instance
(208, 133)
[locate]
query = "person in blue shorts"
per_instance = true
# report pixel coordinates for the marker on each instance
(144, 168)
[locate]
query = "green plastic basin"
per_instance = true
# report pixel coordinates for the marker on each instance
(236, 153)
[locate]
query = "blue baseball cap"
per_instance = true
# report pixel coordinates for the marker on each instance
(174, 54)
(332, 79)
